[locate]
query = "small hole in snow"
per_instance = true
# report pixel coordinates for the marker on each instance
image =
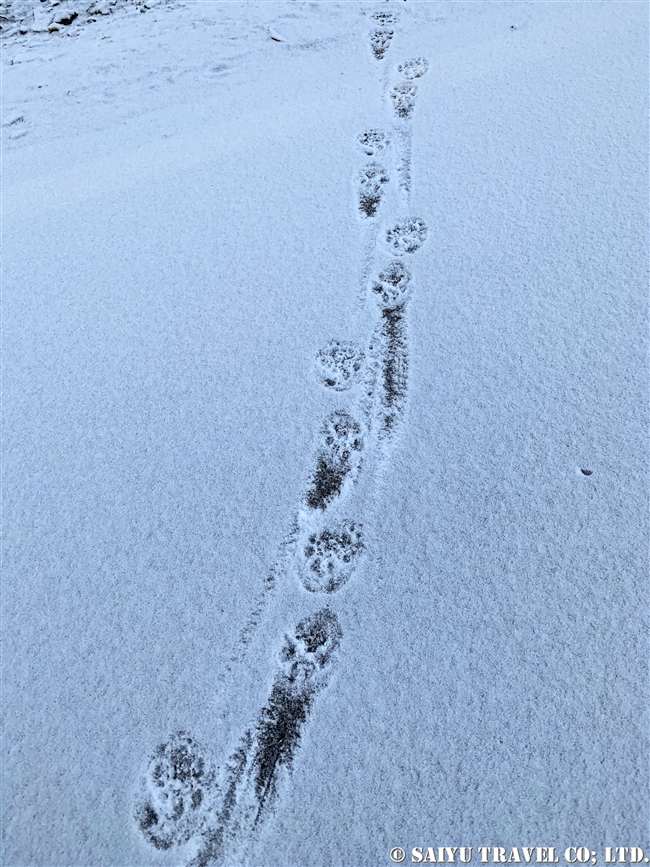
(586, 472)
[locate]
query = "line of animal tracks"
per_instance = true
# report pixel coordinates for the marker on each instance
(184, 796)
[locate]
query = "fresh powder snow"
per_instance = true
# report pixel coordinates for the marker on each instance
(325, 403)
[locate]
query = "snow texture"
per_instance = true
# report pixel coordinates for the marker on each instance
(325, 476)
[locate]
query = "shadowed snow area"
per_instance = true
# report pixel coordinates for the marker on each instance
(325, 468)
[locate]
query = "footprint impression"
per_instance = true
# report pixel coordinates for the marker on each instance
(328, 557)
(177, 793)
(380, 38)
(339, 364)
(403, 94)
(392, 285)
(373, 142)
(267, 750)
(338, 459)
(371, 179)
(380, 41)
(406, 235)
(415, 68)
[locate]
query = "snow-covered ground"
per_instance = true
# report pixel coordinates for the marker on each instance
(325, 429)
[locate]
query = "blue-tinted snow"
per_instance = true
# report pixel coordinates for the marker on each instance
(181, 237)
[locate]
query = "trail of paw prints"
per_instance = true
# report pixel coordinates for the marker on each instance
(338, 459)
(339, 367)
(183, 799)
(266, 752)
(324, 547)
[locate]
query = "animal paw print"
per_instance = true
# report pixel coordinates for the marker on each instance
(392, 285)
(329, 557)
(373, 142)
(176, 793)
(384, 18)
(339, 364)
(380, 41)
(339, 459)
(407, 235)
(371, 180)
(403, 96)
(306, 659)
(415, 68)
(309, 649)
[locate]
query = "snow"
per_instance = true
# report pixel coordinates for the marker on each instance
(185, 263)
